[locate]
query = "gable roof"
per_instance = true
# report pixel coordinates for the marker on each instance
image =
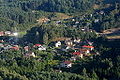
(67, 62)
(87, 46)
(15, 48)
(26, 47)
(37, 45)
(76, 53)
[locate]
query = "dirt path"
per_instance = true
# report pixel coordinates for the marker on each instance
(111, 33)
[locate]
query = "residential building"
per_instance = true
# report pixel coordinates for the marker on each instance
(58, 44)
(66, 64)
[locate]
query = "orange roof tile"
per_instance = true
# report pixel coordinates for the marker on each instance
(87, 46)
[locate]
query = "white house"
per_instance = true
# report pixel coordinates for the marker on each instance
(7, 32)
(42, 48)
(77, 40)
(69, 43)
(96, 20)
(90, 43)
(26, 48)
(66, 64)
(30, 54)
(73, 58)
(58, 44)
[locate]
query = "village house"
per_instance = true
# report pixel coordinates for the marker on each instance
(74, 25)
(1, 41)
(85, 51)
(90, 43)
(96, 20)
(1, 45)
(58, 22)
(1, 33)
(30, 54)
(37, 45)
(77, 40)
(58, 44)
(95, 53)
(88, 47)
(73, 58)
(78, 54)
(8, 33)
(69, 43)
(6, 47)
(14, 48)
(73, 19)
(66, 64)
(43, 20)
(101, 12)
(26, 48)
(91, 15)
(76, 22)
(42, 48)
(58, 71)
(14, 34)
(68, 47)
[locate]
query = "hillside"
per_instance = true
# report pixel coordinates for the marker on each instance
(59, 39)
(21, 14)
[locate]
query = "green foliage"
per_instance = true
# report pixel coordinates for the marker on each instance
(22, 15)
(46, 33)
(6, 74)
(10, 54)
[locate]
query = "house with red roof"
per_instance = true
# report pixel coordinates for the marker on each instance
(88, 47)
(1, 33)
(1, 41)
(37, 45)
(78, 54)
(40, 47)
(14, 48)
(85, 51)
(26, 48)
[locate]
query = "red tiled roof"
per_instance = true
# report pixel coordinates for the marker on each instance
(15, 48)
(76, 53)
(1, 33)
(87, 46)
(36, 45)
(67, 62)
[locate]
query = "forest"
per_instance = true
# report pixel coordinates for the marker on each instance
(23, 14)
(44, 21)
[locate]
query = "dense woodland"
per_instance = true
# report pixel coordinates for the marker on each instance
(95, 15)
